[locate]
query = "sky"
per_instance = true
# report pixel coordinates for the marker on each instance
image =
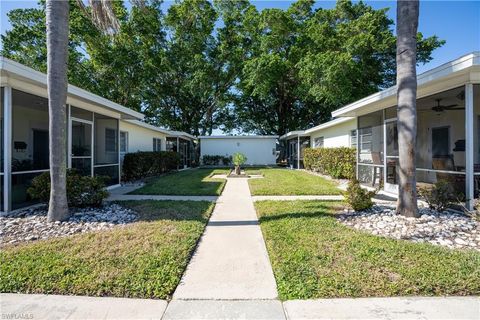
(457, 22)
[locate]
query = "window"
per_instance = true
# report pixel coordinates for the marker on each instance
(353, 138)
(123, 141)
(318, 142)
(157, 144)
(365, 140)
(110, 140)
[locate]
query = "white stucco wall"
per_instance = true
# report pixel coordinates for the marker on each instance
(335, 136)
(258, 150)
(140, 138)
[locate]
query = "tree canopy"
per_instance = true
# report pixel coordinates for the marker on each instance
(205, 65)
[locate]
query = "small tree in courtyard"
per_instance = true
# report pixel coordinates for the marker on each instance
(238, 160)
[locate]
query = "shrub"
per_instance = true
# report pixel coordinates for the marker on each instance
(227, 161)
(143, 164)
(82, 191)
(357, 197)
(338, 163)
(216, 160)
(440, 196)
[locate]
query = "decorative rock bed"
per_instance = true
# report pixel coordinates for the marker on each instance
(449, 229)
(31, 224)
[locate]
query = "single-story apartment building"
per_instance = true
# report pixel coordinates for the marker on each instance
(448, 131)
(339, 132)
(259, 150)
(99, 132)
(136, 135)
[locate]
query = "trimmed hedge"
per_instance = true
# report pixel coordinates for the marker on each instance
(336, 162)
(143, 164)
(216, 160)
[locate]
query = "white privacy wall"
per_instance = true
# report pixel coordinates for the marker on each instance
(259, 150)
(335, 136)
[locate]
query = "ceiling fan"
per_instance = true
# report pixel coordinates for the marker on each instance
(440, 108)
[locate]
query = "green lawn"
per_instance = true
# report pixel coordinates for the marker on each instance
(285, 182)
(314, 256)
(194, 182)
(143, 260)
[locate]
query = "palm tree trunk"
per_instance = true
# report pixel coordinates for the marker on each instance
(407, 24)
(57, 14)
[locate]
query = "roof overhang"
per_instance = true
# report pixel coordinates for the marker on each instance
(149, 126)
(329, 124)
(11, 71)
(294, 134)
(465, 69)
(180, 134)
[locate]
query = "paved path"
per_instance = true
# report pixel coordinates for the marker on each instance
(292, 198)
(39, 306)
(231, 261)
(126, 197)
(36, 306)
(385, 308)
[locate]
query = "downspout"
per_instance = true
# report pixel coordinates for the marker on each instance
(469, 171)
(298, 152)
(178, 151)
(7, 147)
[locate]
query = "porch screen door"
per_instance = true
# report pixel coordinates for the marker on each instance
(81, 146)
(391, 156)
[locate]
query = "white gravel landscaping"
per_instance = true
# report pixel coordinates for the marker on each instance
(31, 224)
(449, 229)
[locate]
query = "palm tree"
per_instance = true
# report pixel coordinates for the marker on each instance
(57, 18)
(407, 25)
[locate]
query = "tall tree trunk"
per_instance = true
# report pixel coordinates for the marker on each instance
(407, 24)
(57, 14)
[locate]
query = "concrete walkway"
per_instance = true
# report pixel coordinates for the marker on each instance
(40, 306)
(37, 306)
(127, 197)
(385, 308)
(231, 260)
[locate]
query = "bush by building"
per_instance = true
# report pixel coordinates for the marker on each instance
(143, 164)
(336, 162)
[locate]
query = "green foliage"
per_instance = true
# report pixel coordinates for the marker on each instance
(216, 160)
(139, 165)
(142, 260)
(285, 182)
(82, 191)
(193, 182)
(314, 256)
(239, 159)
(338, 163)
(357, 197)
(266, 71)
(302, 63)
(439, 196)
